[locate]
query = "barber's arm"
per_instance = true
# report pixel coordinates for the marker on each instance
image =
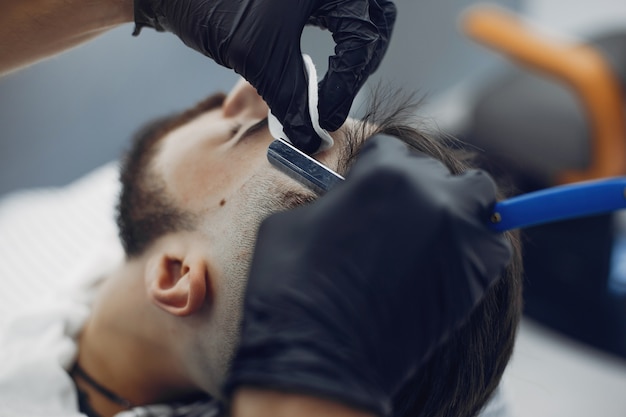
(347, 297)
(31, 30)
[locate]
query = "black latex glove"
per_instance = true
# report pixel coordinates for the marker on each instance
(260, 39)
(348, 296)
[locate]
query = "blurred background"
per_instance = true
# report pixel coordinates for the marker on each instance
(64, 117)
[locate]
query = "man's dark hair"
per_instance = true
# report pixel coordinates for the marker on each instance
(144, 213)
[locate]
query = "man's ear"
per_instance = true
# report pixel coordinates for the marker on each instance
(178, 284)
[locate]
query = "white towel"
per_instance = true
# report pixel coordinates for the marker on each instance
(276, 128)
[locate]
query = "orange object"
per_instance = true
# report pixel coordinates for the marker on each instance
(580, 66)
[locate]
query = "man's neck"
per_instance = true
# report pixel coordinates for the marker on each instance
(123, 348)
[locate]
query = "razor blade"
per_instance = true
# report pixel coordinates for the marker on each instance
(301, 167)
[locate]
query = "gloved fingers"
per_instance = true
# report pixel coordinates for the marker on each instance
(477, 193)
(482, 187)
(285, 92)
(295, 118)
(383, 14)
(360, 45)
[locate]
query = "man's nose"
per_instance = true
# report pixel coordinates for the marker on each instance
(244, 101)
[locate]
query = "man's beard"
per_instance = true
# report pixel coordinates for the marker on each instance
(144, 210)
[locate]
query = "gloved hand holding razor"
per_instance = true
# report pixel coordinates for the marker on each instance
(260, 40)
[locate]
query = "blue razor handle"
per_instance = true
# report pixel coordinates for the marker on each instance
(539, 207)
(560, 203)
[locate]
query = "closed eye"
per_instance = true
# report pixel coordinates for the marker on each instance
(236, 128)
(252, 130)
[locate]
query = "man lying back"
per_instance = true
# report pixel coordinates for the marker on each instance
(165, 325)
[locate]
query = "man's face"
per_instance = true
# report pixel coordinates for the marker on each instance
(210, 175)
(206, 161)
(196, 167)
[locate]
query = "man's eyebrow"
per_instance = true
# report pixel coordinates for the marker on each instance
(252, 130)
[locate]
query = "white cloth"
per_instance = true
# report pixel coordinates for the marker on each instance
(55, 247)
(37, 346)
(276, 128)
(52, 238)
